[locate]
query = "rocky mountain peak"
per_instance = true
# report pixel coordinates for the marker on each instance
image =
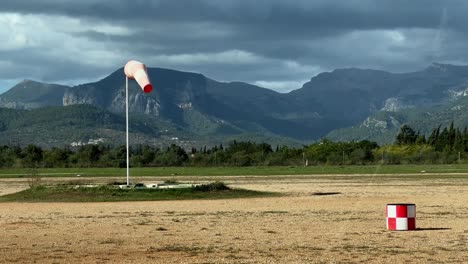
(394, 104)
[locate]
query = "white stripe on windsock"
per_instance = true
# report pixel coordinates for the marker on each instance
(141, 77)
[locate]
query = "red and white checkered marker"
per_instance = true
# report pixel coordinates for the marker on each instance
(401, 217)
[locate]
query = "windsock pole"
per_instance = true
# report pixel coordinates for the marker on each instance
(137, 71)
(126, 130)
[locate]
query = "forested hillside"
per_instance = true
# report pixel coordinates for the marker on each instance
(447, 145)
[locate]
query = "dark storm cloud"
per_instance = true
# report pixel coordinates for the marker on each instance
(274, 15)
(22, 65)
(278, 40)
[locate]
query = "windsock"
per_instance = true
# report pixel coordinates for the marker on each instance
(137, 70)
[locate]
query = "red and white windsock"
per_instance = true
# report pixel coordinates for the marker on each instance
(137, 70)
(401, 216)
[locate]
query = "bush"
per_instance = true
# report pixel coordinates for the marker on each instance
(34, 179)
(212, 187)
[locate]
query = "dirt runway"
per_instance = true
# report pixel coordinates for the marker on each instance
(347, 226)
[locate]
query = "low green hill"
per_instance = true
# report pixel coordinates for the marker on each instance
(83, 124)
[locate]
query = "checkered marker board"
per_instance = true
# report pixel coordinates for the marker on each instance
(401, 216)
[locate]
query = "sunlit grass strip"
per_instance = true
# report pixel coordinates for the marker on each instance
(236, 171)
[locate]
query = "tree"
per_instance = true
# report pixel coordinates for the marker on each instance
(443, 141)
(434, 137)
(174, 156)
(56, 157)
(7, 157)
(420, 140)
(116, 157)
(451, 135)
(406, 136)
(88, 155)
(458, 142)
(32, 156)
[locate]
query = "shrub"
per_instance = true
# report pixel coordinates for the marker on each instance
(34, 180)
(212, 187)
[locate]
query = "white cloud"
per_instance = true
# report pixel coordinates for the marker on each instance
(225, 57)
(380, 48)
(10, 32)
(57, 38)
(281, 86)
(110, 29)
(301, 68)
(395, 36)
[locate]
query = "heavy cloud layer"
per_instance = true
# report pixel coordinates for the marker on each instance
(273, 43)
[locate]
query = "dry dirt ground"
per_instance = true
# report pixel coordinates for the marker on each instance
(347, 227)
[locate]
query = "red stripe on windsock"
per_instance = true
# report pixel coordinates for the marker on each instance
(148, 88)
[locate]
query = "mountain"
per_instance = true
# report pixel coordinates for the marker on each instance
(199, 103)
(82, 124)
(202, 109)
(383, 126)
(342, 104)
(351, 95)
(30, 94)
(435, 96)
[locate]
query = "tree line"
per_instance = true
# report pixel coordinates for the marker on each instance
(447, 145)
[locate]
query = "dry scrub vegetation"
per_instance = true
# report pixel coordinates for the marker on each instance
(346, 225)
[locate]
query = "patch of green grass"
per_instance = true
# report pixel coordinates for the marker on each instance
(63, 193)
(174, 172)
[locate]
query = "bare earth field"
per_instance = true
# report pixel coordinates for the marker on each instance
(299, 227)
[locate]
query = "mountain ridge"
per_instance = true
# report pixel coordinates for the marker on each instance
(203, 107)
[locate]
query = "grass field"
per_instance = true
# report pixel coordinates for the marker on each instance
(237, 171)
(106, 193)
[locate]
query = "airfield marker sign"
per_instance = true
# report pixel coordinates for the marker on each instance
(401, 216)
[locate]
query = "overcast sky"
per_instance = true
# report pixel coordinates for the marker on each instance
(277, 44)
